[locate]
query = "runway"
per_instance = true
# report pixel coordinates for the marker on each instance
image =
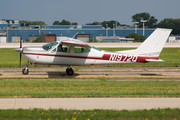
(90, 103)
(115, 73)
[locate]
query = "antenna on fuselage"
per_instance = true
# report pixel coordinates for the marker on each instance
(75, 35)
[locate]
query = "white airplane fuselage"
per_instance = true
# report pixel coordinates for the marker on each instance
(38, 55)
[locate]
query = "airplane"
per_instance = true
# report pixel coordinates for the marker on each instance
(73, 52)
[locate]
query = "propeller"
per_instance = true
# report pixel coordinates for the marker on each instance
(20, 53)
(19, 50)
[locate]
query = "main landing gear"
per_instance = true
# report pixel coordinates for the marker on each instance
(25, 71)
(69, 71)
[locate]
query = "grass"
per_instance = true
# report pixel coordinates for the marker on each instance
(59, 114)
(99, 88)
(171, 56)
(10, 58)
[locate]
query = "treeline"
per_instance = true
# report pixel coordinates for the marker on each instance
(109, 24)
(152, 22)
(172, 24)
(64, 22)
(30, 22)
(33, 22)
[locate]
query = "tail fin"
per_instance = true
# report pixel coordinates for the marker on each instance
(153, 45)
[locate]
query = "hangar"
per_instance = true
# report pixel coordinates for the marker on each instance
(28, 33)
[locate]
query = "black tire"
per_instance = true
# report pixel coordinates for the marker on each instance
(69, 71)
(25, 72)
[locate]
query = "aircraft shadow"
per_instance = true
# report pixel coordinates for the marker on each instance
(60, 74)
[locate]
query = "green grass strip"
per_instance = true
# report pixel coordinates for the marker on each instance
(75, 88)
(59, 114)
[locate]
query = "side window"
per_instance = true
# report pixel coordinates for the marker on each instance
(80, 49)
(63, 48)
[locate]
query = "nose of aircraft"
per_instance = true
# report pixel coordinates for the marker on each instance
(19, 50)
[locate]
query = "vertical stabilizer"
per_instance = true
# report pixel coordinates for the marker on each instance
(154, 44)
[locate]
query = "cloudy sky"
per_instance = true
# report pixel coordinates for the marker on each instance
(87, 11)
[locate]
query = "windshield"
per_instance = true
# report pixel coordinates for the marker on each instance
(49, 46)
(96, 48)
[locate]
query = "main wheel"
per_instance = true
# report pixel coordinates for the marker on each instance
(25, 71)
(69, 71)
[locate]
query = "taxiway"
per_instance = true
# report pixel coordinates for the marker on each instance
(115, 73)
(90, 103)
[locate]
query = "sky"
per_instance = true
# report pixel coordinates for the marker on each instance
(87, 11)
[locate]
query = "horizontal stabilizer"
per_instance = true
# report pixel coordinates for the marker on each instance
(153, 60)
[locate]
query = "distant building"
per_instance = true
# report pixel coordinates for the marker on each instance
(173, 39)
(28, 33)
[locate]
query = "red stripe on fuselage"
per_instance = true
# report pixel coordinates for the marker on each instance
(116, 57)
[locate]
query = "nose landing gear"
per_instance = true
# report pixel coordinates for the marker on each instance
(25, 71)
(69, 71)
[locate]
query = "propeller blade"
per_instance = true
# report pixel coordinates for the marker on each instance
(20, 43)
(20, 53)
(20, 59)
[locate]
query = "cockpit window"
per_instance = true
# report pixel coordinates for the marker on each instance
(49, 46)
(96, 48)
(81, 49)
(63, 48)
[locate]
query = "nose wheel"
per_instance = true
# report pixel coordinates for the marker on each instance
(69, 71)
(25, 71)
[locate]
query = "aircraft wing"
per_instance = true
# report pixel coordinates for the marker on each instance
(75, 42)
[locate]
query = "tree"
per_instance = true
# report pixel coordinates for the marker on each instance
(8, 21)
(74, 23)
(137, 37)
(172, 24)
(56, 23)
(33, 22)
(151, 20)
(94, 23)
(110, 23)
(64, 22)
(40, 38)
